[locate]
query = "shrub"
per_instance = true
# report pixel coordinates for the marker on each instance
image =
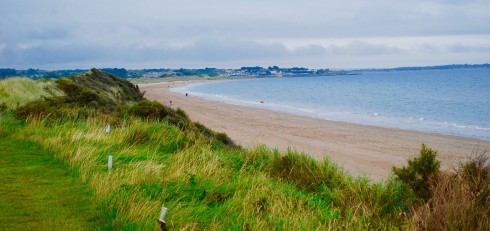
(71, 89)
(151, 110)
(87, 97)
(419, 171)
(180, 119)
(223, 138)
(460, 200)
(3, 107)
(476, 172)
(476, 176)
(38, 108)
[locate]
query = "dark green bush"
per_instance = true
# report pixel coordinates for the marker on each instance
(55, 109)
(151, 110)
(204, 130)
(71, 90)
(223, 138)
(3, 107)
(180, 119)
(86, 97)
(419, 171)
(38, 108)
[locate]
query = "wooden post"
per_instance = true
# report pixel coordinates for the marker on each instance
(163, 225)
(109, 163)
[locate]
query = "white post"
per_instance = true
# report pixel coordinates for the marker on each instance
(162, 214)
(108, 129)
(109, 163)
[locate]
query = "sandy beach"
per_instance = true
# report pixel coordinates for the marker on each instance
(359, 149)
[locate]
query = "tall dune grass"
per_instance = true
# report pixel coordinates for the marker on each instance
(209, 187)
(18, 91)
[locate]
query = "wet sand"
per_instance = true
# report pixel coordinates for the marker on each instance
(359, 149)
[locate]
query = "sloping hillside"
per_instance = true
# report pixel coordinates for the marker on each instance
(161, 158)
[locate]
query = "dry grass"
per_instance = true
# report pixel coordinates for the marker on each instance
(460, 200)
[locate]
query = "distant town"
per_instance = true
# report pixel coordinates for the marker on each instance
(257, 71)
(245, 72)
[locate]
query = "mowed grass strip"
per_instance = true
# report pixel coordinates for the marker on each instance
(40, 193)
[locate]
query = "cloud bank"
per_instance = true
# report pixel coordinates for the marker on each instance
(218, 33)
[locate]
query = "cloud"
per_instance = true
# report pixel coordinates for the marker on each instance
(46, 55)
(358, 47)
(465, 49)
(242, 52)
(48, 34)
(223, 49)
(201, 51)
(215, 32)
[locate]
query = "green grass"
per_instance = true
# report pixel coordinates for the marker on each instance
(211, 187)
(18, 91)
(40, 193)
(161, 158)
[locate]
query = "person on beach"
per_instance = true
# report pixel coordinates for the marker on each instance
(185, 94)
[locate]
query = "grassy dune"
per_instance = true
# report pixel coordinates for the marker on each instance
(209, 187)
(18, 91)
(207, 183)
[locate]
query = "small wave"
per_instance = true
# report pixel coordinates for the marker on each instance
(482, 128)
(307, 110)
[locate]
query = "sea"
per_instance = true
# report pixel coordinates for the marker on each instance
(450, 101)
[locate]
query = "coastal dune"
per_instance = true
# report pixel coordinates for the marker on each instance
(361, 150)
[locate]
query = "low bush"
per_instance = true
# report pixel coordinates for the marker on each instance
(218, 136)
(3, 107)
(451, 200)
(150, 110)
(71, 89)
(460, 200)
(419, 171)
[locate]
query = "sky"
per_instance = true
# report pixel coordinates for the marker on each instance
(337, 34)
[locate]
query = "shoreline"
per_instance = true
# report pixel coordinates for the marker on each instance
(359, 149)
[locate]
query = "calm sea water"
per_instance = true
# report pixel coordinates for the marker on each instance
(454, 102)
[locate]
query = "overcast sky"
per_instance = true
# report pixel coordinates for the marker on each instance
(66, 34)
